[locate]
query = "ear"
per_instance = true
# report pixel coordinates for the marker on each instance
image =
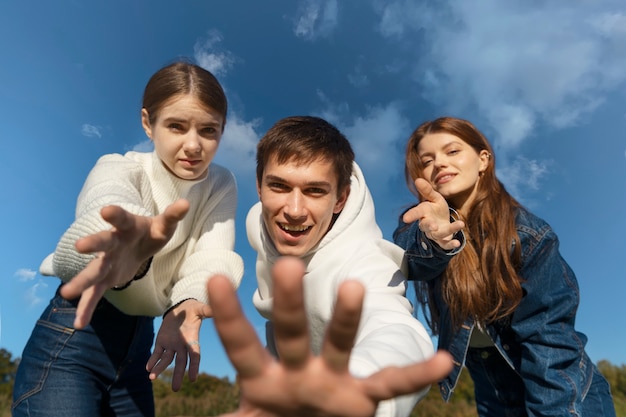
(341, 202)
(484, 157)
(258, 188)
(145, 122)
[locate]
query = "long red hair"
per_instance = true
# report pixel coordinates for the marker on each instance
(481, 281)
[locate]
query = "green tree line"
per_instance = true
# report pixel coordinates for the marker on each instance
(210, 396)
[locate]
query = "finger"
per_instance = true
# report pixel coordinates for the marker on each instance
(119, 218)
(94, 272)
(176, 211)
(98, 242)
(428, 193)
(166, 357)
(343, 327)
(155, 357)
(164, 225)
(193, 350)
(288, 313)
(239, 338)
(180, 364)
(395, 381)
(87, 305)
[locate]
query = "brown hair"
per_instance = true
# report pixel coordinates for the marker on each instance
(306, 139)
(183, 78)
(481, 281)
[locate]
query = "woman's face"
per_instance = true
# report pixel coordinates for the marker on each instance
(452, 167)
(186, 135)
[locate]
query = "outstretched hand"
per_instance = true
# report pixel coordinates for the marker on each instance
(178, 339)
(433, 215)
(300, 383)
(121, 251)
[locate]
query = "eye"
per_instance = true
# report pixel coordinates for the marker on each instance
(208, 131)
(426, 161)
(277, 186)
(175, 127)
(316, 191)
(453, 151)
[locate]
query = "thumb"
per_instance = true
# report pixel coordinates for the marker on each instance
(426, 191)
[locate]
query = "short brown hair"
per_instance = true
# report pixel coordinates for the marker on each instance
(306, 139)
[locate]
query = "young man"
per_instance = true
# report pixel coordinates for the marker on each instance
(315, 205)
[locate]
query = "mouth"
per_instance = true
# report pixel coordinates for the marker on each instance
(293, 229)
(444, 178)
(190, 162)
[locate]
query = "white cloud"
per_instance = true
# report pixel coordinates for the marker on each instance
(25, 274)
(145, 146)
(522, 174)
(237, 149)
(91, 131)
(374, 137)
(515, 64)
(32, 296)
(210, 57)
(316, 19)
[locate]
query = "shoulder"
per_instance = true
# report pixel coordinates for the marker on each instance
(532, 230)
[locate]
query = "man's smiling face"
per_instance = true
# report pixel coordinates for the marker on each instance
(299, 202)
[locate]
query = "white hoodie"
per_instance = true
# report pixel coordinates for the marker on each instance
(352, 249)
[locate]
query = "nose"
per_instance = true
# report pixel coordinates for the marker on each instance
(192, 142)
(294, 206)
(440, 161)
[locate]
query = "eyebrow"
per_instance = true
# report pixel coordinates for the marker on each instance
(447, 145)
(276, 178)
(182, 120)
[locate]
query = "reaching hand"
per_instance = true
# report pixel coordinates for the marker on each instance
(178, 337)
(433, 215)
(121, 252)
(300, 383)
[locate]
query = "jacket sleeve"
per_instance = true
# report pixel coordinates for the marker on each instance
(554, 366)
(425, 260)
(211, 252)
(114, 180)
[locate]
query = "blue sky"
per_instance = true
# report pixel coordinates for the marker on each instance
(545, 81)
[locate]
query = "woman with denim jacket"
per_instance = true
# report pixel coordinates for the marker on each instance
(492, 282)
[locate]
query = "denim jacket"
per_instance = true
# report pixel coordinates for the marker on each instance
(539, 341)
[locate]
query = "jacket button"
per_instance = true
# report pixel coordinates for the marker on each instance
(505, 346)
(484, 354)
(424, 245)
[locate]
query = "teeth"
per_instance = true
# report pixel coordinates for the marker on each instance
(293, 228)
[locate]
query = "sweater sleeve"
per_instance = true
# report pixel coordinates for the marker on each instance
(114, 180)
(211, 251)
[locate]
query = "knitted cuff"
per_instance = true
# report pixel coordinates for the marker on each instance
(143, 270)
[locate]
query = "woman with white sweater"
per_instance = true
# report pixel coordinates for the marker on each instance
(150, 229)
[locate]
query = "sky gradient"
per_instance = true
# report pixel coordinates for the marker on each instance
(545, 81)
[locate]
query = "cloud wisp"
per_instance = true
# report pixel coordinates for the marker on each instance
(316, 19)
(210, 56)
(25, 274)
(91, 131)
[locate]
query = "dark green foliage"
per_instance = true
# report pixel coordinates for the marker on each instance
(210, 396)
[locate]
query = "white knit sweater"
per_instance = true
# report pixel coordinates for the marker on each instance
(353, 249)
(201, 246)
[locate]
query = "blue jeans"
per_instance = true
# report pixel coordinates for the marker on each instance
(499, 390)
(97, 371)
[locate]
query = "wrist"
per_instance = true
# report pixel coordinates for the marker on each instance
(176, 305)
(142, 272)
